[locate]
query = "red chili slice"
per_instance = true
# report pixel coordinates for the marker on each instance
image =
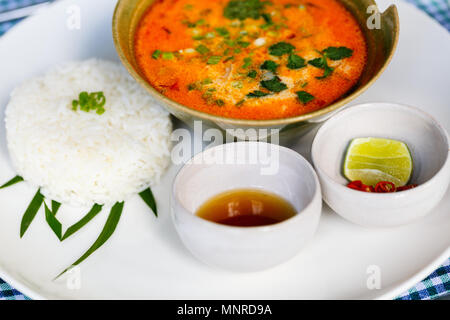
(358, 185)
(385, 187)
(411, 186)
(380, 187)
(175, 86)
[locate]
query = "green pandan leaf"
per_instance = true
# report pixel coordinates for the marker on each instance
(14, 180)
(149, 199)
(31, 211)
(53, 223)
(96, 208)
(55, 207)
(108, 230)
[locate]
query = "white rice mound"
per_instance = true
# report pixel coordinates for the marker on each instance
(81, 158)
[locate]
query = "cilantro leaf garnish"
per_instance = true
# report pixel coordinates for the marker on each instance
(223, 31)
(321, 63)
(257, 94)
(274, 85)
(90, 101)
(295, 62)
(202, 49)
(332, 53)
(327, 71)
(243, 9)
(318, 62)
(304, 96)
(269, 65)
(252, 74)
(268, 19)
(281, 48)
(337, 53)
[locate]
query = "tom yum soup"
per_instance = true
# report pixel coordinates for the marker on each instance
(251, 59)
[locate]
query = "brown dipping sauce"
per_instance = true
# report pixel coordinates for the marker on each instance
(246, 208)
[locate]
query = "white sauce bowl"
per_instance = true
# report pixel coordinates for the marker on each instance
(245, 249)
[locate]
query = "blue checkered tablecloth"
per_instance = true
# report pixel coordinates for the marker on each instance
(7, 5)
(435, 285)
(9, 293)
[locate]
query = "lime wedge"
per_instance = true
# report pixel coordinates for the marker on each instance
(372, 160)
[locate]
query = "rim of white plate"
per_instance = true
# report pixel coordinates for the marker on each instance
(390, 294)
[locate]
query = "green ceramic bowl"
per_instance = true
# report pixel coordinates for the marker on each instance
(381, 45)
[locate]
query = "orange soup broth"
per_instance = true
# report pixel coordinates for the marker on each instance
(310, 26)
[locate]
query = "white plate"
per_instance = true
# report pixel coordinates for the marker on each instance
(145, 259)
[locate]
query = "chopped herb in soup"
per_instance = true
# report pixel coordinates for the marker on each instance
(251, 59)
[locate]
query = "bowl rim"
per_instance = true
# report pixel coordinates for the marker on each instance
(317, 194)
(374, 105)
(249, 122)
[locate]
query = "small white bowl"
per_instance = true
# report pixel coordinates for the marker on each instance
(429, 146)
(254, 165)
